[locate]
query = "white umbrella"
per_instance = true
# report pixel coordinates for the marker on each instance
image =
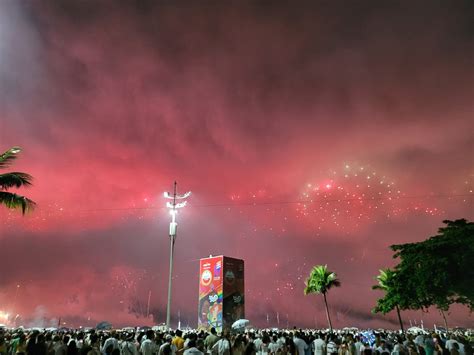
(416, 330)
(240, 324)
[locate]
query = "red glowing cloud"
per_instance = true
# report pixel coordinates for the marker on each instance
(257, 109)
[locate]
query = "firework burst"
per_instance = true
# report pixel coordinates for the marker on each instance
(353, 196)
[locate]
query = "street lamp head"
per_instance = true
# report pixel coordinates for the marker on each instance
(186, 195)
(176, 197)
(172, 206)
(181, 204)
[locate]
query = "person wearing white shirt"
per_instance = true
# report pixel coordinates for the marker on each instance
(192, 349)
(258, 342)
(319, 346)
(331, 347)
(281, 340)
(266, 340)
(398, 349)
(222, 347)
(449, 345)
(274, 346)
(358, 345)
(453, 340)
(383, 349)
(300, 344)
(148, 346)
(112, 340)
(128, 347)
(419, 340)
(80, 340)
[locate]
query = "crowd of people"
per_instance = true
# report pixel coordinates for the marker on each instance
(247, 342)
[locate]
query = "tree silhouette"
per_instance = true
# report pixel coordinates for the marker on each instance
(320, 281)
(385, 283)
(435, 272)
(16, 180)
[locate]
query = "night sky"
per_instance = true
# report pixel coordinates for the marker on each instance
(309, 133)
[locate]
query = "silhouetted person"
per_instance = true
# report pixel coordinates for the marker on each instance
(72, 348)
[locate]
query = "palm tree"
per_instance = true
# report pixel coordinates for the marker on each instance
(321, 280)
(384, 280)
(14, 179)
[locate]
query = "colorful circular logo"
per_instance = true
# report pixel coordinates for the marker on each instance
(206, 277)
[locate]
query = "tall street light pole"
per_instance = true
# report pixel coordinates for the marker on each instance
(173, 206)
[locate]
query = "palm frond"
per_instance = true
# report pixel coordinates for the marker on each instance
(15, 179)
(9, 156)
(383, 279)
(15, 201)
(321, 280)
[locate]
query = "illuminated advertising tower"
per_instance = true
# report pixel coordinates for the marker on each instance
(221, 292)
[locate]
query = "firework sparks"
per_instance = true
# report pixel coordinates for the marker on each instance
(354, 196)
